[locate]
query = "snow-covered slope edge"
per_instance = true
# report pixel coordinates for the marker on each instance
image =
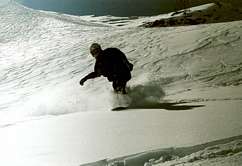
(221, 152)
(208, 13)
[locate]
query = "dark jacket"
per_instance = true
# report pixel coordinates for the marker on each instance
(113, 64)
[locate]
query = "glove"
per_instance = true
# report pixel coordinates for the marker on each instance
(82, 81)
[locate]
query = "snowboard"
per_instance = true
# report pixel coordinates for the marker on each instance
(120, 108)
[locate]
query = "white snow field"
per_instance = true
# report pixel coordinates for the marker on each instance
(185, 91)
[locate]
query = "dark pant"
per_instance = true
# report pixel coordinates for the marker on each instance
(120, 81)
(119, 86)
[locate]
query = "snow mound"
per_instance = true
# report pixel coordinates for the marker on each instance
(221, 152)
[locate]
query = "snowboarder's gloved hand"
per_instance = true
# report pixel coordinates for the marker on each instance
(82, 81)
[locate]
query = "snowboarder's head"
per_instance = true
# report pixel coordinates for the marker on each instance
(95, 49)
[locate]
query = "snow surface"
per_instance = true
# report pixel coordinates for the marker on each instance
(3, 2)
(185, 90)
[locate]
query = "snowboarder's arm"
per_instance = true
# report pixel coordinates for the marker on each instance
(89, 76)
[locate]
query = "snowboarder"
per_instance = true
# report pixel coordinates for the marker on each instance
(110, 63)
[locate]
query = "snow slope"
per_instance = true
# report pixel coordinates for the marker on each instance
(27, 64)
(185, 90)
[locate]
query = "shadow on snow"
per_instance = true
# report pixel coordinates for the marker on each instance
(162, 106)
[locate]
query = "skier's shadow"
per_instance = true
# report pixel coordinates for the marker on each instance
(167, 106)
(181, 106)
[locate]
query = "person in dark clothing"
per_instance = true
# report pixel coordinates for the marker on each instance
(110, 63)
